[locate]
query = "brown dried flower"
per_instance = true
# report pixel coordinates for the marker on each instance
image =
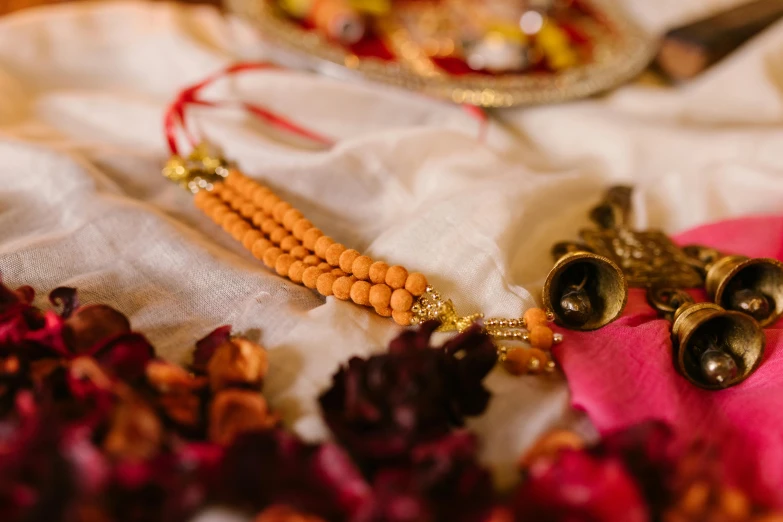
(238, 411)
(166, 377)
(284, 514)
(136, 432)
(550, 446)
(237, 362)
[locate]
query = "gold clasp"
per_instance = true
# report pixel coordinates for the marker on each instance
(203, 167)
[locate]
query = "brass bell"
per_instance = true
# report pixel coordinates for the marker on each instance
(753, 286)
(584, 291)
(714, 348)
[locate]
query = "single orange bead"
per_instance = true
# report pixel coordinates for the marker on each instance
(310, 237)
(300, 227)
(402, 318)
(326, 267)
(251, 236)
(396, 276)
(342, 287)
(217, 188)
(288, 243)
(201, 197)
(311, 260)
(268, 225)
(299, 252)
(325, 283)
(520, 361)
(232, 178)
(401, 300)
(277, 235)
(416, 284)
(534, 317)
(219, 213)
(333, 254)
(247, 210)
(337, 272)
(360, 293)
(269, 203)
(239, 230)
(384, 311)
(361, 267)
(210, 205)
(296, 271)
(380, 296)
(291, 217)
(347, 258)
(229, 221)
(310, 276)
(258, 218)
(279, 210)
(283, 264)
(259, 194)
(271, 255)
(541, 337)
(322, 244)
(378, 272)
(260, 247)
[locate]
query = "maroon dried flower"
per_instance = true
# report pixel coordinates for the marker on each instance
(382, 406)
(579, 487)
(66, 297)
(284, 514)
(267, 468)
(443, 481)
(206, 347)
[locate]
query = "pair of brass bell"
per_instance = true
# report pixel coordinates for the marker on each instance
(717, 344)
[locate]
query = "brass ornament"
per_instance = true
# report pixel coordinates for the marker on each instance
(584, 291)
(753, 286)
(713, 348)
(620, 55)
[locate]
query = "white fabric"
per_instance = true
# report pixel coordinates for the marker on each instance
(82, 92)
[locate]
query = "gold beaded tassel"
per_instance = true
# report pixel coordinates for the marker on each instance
(285, 241)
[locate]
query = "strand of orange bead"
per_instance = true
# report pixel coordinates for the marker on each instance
(285, 241)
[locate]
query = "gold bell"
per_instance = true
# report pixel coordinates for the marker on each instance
(753, 286)
(584, 291)
(714, 348)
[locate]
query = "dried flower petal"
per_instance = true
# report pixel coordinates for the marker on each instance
(126, 355)
(284, 514)
(92, 324)
(237, 362)
(206, 347)
(66, 297)
(166, 377)
(135, 433)
(237, 411)
(266, 468)
(578, 487)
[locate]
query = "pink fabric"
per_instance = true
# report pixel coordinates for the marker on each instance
(623, 374)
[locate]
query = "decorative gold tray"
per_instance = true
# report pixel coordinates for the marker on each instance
(618, 56)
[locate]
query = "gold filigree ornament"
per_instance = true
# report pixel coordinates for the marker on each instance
(621, 50)
(286, 242)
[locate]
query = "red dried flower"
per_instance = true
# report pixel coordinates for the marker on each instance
(579, 487)
(443, 481)
(284, 514)
(383, 406)
(267, 468)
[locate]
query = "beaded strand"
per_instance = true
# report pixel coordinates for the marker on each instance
(285, 241)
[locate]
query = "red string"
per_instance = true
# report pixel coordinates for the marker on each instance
(175, 117)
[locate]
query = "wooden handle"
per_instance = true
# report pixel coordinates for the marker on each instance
(688, 50)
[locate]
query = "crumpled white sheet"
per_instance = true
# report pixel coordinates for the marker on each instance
(82, 203)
